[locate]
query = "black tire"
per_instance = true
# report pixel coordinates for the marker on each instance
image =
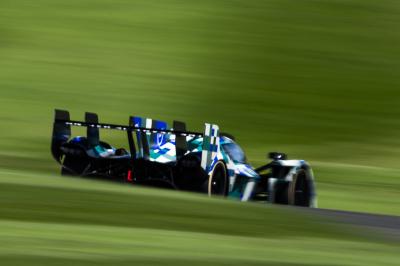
(75, 161)
(74, 166)
(281, 192)
(299, 190)
(72, 157)
(67, 171)
(218, 180)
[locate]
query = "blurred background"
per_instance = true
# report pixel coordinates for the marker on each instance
(316, 79)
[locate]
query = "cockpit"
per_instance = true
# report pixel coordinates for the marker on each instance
(234, 152)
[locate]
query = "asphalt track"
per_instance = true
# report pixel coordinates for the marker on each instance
(386, 225)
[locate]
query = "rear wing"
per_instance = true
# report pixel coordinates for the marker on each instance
(146, 131)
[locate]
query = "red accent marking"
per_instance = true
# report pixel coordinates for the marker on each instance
(129, 177)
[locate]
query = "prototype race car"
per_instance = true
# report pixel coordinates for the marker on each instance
(210, 162)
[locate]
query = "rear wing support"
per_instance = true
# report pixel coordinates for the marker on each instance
(92, 133)
(180, 141)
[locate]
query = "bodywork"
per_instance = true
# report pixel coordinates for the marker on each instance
(164, 156)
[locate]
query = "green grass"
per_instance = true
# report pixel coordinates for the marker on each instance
(358, 188)
(48, 219)
(317, 79)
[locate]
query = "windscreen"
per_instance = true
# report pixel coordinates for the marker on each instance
(234, 152)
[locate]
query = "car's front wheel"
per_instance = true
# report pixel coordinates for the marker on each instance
(218, 180)
(300, 189)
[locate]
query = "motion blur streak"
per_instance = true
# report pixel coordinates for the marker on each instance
(315, 79)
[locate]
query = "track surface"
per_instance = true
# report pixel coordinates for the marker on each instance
(384, 224)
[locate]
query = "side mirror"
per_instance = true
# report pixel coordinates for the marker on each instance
(277, 156)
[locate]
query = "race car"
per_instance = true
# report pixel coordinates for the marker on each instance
(208, 162)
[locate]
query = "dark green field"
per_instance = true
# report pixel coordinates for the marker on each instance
(317, 79)
(63, 221)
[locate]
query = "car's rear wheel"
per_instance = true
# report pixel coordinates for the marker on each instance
(218, 180)
(74, 166)
(75, 161)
